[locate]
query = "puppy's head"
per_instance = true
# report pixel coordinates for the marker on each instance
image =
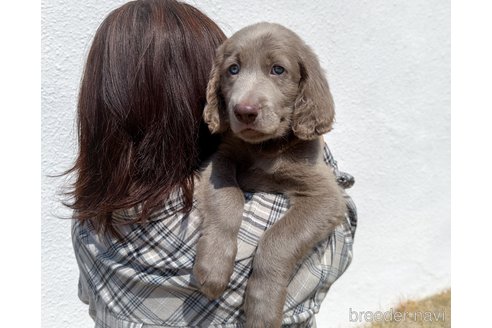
(266, 81)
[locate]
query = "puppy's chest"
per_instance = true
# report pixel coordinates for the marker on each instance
(277, 167)
(268, 165)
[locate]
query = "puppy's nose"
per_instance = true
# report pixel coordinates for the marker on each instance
(246, 113)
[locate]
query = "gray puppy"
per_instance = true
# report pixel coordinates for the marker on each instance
(268, 97)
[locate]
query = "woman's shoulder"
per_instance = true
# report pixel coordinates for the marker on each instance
(171, 231)
(154, 261)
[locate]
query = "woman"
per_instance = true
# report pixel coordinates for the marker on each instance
(141, 142)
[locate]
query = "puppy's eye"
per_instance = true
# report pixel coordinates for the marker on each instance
(277, 70)
(234, 69)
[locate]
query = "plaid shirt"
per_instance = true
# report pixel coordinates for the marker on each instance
(146, 281)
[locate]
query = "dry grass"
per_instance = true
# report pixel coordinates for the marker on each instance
(431, 312)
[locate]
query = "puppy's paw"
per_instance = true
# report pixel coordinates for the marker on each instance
(262, 323)
(214, 264)
(212, 277)
(264, 302)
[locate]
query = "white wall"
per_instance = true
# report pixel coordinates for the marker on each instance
(388, 64)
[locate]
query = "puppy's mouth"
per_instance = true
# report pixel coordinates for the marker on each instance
(265, 126)
(251, 134)
(261, 129)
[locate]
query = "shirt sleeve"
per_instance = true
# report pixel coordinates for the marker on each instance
(346, 181)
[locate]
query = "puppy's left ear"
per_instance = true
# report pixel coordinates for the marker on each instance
(214, 113)
(314, 110)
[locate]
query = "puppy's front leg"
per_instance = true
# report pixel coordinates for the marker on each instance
(309, 220)
(221, 203)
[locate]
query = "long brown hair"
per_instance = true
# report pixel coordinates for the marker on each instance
(139, 110)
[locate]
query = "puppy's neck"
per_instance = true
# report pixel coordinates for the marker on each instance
(275, 147)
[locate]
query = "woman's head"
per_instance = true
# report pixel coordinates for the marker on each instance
(140, 106)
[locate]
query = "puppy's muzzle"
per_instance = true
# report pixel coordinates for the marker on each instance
(246, 113)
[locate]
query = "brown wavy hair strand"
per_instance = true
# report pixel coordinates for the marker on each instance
(139, 111)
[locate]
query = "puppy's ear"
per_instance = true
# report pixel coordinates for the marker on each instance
(314, 110)
(214, 113)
